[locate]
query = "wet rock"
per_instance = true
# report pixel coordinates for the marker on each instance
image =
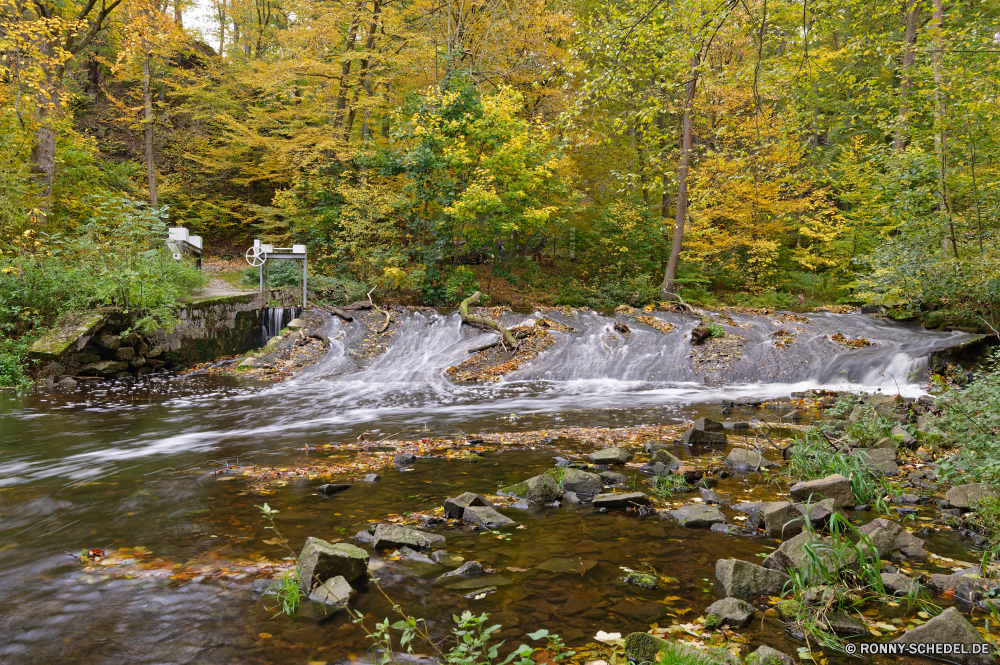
(754, 507)
(783, 519)
(789, 610)
(524, 504)
(698, 516)
(389, 536)
(794, 414)
(372, 478)
(834, 486)
(568, 565)
(941, 582)
(456, 506)
(363, 537)
(335, 592)
(967, 496)
(844, 624)
(908, 499)
(539, 489)
(469, 569)
(898, 584)
(571, 499)
(84, 358)
(110, 342)
(479, 594)
(708, 482)
(950, 627)
(621, 500)
(729, 611)
(640, 612)
(709, 496)
(819, 513)
(792, 554)
(581, 482)
(613, 478)
(330, 489)
(479, 583)
(880, 461)
(765, 655)
(653, 447)
(728, 529)
(745, 580)
(699, 437)
(404, 458)
(661, 464)
(927, 400)
(742, 424)
(610, 456)
(445, 559)
(707, 425)
(320, 560)
(643, 647)
(104, 367)
(741, 459)
(893, 541)
(486, 516)
(124, 353)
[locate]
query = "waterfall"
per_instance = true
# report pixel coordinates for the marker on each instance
(273, 319)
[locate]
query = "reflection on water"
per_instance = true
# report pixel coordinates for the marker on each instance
(130, 465)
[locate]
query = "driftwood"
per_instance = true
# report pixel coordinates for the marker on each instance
(700, 334)
(388, 317)
(472, 319)
(680, 302)
(336, 311)
(489, 345)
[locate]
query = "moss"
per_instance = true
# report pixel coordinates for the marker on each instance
(712, 621)
(644, 580)
(643, 647)
(557, 474)
(519, 490)
(789, 610)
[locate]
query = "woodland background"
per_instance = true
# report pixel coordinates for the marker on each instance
(574, 152)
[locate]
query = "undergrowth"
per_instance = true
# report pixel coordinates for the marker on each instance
(814, 457)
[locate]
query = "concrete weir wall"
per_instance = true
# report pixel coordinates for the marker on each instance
(102, 343)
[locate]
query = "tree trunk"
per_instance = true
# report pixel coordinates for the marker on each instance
(178, 14)
(345, 70)
(148, 125)
(940, 137)
(669, 288)
(366, 75)
(909, 57)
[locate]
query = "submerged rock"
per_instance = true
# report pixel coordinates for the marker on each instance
(455, 507)
(469, 569)
(834, 486)
(741, 459)
(486, 516)
(745, 580)
(330, 489)
(729, 611)
(394, 536)
(568, 565)
(610, 456)
(372, 478)
(710, 496)
(320, 560)
(335, 592)
(404, 458)
(621, 500)
(967, 496)
(950, 627)
(698, 516)
(700, 437)
(479, 583)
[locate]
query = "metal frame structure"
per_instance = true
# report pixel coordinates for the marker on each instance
(181, 243)
(258, 255)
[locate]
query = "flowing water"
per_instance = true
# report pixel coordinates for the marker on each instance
(131, 465)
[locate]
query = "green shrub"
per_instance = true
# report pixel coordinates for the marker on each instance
(972, 417)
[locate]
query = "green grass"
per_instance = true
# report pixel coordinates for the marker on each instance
(667, 486)
(814, 457)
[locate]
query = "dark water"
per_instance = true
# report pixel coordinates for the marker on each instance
(131, 466)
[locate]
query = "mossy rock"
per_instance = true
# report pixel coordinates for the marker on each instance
(713, 621)
(789, 610)
(644, 580)
(643, 647)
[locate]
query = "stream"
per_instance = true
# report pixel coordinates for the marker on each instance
(131, 465)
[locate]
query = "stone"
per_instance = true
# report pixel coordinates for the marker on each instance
(741, 459)
(707, 425)
(469, 569)
(320, 560)
(794, 414)
(967, 496)
(330, 489)
(156, 351)
(754, 507)
(581, 482)
(653, 447)
(819, 513)
(834, 486)
(621, 500)
(710, 496)
(70, 333)
(539, 489)
(561, 565)
(124, 353)
(610, 456)
(479, 594)
(844, 624)
(788, 610)
(698, 516)
(791, 554)
(55, 368)
(699, 437)
(110, 342)
(486, 516)
(902, 437)
(950, 627)
(296, 324)
(730, 611)
(643, 647)
(448, 560)
(372, 478)
(86, 358)
(728, 529)
(747, 581)
(765, 655)
(404, 458)
(898, 584)
(613, 478)
(880, 461)
(335, 592)
(388, 536)
(104, 367)
(479, 583)
(892, 540)
(783, 519)
(455, 507)
(661, 464)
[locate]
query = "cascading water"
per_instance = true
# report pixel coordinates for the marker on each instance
(273, 319)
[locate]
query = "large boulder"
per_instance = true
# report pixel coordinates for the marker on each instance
(946, 629)
(967, 496)
(320, 560)
(794, 554)
(486, 516)
(734, 612)
(621, 500)
(610, 456)
(741, 459)
(389, 536)
(456, 506)
(698, 515)
(893, 541)
(707, 425)
(539, 489)
(834, 486)
(581, 482)
(747, 581)
(335, 592)
(783, 519)
(700, 437)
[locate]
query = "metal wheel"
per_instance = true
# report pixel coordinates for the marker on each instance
(256, 256)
